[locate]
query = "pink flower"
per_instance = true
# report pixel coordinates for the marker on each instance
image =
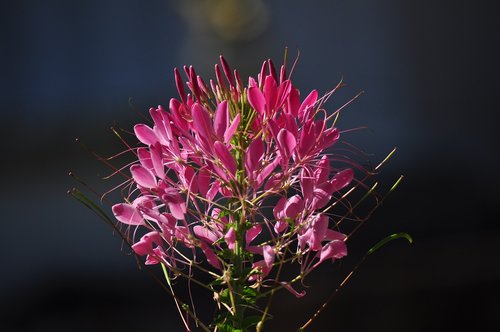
(208, 166)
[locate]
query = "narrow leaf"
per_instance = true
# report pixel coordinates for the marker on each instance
(389, 239)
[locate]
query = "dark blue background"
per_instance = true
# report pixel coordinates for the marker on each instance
(430, 70)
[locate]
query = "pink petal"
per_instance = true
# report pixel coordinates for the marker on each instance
(159, 127)
(232, 128)
(293, 102)
(322, 195)
(284, 91)
(145, 134)
(294, 206)
(221, 119)
(342, 179)
(205, 234)
(145, 245)
(287, 143)
(270, 93)
(289, 288)
(214, 188)
(143, 177)
(144, 157)
(177, 111)
(257, 100)
(252, 233)
(274, 181)
(180, 85)
(225, 157)
(268, 253)
(186, 176)
(307, 139)
(230, 238)
(127, 214)
(333, 250)
(177, 209)
(266, 171)
(203, 182)
(306, 184)
(279, 208)
(334, 235)
(155, 258)
(309, 101)
(280, 226)
(254, 154)
(157, 159)
(202, 122)
(322, 172)
(211, 257)
(262, 266)
(319, 227)
(329, 137)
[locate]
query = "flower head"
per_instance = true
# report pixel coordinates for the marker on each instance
(208, 166)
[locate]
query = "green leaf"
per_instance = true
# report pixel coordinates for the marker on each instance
(389, 239)
(224, 296)
(249, 295)
(225, 254)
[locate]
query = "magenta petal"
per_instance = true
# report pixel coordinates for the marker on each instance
(252, 233)
(280, 226)
(225, 157)
(159, 127)
(279, 208)
(268, 253)
(293, 101)
(228, 134)
(322, 172)
(254, 154)
(270, 93)
(145, 245)
(307, 139)
(342, 179)
(144, 157)
(322, 195)
(287, 142)
(289, 288)
(294, 206)
(202, 122)
(334, 235)
(177, 209)
(142, 247)
(145, 134)
(266, 171)
(203, 182)
(205, 234)
(333, 250)
(319, 227)
(273, 182)
(306, 184)
(329, 137)
(230, 238)
(221, 120)
(309, 101)
(143, 177)
(257, 100)
(127, 214)
(157, 159)
(211, 257)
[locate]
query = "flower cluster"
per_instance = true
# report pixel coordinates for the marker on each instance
(210, 166)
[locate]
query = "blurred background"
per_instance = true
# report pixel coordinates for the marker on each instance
(430, 71)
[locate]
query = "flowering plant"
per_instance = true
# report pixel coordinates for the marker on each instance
(236, 182)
